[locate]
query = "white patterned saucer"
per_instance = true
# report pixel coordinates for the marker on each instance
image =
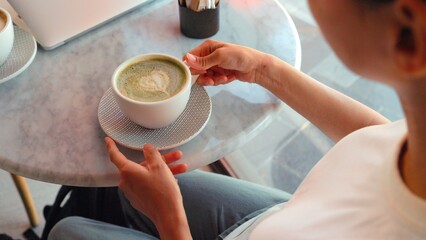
(127, 133)
(23, 52)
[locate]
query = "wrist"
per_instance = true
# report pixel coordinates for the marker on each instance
(263, 69)
(173, 225)
(272, 71)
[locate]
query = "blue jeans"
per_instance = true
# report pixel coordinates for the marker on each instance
(214, 204)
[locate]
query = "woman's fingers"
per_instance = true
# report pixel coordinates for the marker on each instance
(203, 63)
(115, 155)
(152, 155)
(178, 168)
(172, 156)
(196, 71)
(206, 48)
(205, 80)
(215, 79)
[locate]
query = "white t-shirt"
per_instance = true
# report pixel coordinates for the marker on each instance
(354, 192)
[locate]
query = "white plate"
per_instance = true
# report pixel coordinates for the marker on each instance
(127, 133)
(22, 55)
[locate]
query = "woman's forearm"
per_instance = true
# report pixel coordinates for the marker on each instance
(331, 111)
(173, 225)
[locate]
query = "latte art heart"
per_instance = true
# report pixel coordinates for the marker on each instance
(158, 81)
(151, 80)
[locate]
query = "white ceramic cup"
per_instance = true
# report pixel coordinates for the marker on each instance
(6, 35)
(153, 114)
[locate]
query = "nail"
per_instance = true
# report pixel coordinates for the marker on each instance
(191, 57)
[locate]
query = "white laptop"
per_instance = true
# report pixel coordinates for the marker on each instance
(54, 22)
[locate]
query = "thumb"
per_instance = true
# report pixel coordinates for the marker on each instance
(202, 63)
(115, 155)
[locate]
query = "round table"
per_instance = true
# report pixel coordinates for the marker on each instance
(48, 114)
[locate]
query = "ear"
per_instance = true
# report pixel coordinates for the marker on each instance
(410, 36)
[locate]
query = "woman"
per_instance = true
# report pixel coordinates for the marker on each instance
(372, 183)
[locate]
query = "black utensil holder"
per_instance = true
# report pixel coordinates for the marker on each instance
(201, 24)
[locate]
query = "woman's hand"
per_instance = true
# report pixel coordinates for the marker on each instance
(221, 63)
(152, 189)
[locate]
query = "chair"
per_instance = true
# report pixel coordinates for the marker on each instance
(24, 191)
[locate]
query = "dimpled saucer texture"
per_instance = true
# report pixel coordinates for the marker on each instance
(127, 133)
(23, 52)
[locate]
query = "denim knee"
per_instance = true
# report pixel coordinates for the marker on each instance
(67, 228)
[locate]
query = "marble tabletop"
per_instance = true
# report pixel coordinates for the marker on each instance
(49, 130)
